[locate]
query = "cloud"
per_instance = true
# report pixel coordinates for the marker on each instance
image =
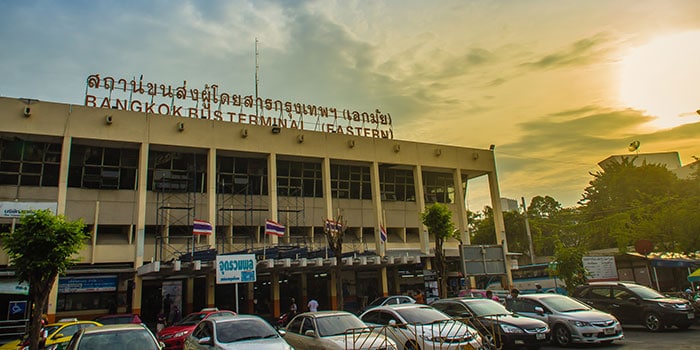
(581, 52)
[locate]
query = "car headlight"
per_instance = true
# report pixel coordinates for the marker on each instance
(511, 329)
(580, 323)
(181, 334)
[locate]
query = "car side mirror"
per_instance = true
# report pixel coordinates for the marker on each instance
(57, 336)
(282, 332)
(161, 345)
(205, 341)
(392, 323)
(310, 333)
(539, 310)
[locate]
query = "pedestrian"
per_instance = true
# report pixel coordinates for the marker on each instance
(312, 305)
(420, 299)
(494, 297)
(538, 288)
(175, 315)
(160, 321)
(512, 298)
(167, 306)
(292, 307)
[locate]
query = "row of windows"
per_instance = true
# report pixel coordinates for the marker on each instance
(29, 163)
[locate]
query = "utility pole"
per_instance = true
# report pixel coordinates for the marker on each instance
(529, 235)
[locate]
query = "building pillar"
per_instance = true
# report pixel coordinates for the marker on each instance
(53, 297)
(462, 223)
(275, 290)
(334, 290)
(304, 290)
(272, 190)
(420, 204)
(252, 307)
(498, 216)
(396, 279)
(211, 289)
(380, 246)
(63, 175)
(385, 281)
(140, 214)
(189, 302)
(327, 193)
(211, 195)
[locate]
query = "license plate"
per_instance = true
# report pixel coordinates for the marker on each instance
(540, 336)
(609, 331)
(691, 316)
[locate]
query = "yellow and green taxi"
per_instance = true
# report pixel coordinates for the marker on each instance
(57, 335)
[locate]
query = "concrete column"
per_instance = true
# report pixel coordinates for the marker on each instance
(385, 281)
(275, 284)
(211, 289)
(462, 223)
(189, 302)
(251, 297)
(140, 215)
(380, 246)
(327, 194)
(498, 215)
(53, 296)
(420, 204)
(334, 290)
(304, 290)
(211, 195)
(63, 175)
(272, 190)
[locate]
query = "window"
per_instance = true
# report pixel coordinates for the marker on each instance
(299, 179)
(246, 176)
(307, 325)
(29, 163)
(599, 293)
(350, 182)
(295, 325)
(621, 294)
(103, 167)
(439, 187)
(177, 172)
(397, 185)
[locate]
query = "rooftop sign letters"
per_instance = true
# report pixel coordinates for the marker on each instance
(212, 103)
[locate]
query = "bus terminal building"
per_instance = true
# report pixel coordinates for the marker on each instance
(140, 179)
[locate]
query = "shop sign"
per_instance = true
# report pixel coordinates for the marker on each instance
(14, 287)
(87, 284)
(211, 102)
(235, 268)
(17, 209)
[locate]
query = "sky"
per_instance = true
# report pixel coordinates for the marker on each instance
(556, 86)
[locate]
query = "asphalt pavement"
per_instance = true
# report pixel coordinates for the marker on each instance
(638, 338)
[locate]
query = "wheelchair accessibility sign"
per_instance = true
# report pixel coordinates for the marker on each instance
(17, 309)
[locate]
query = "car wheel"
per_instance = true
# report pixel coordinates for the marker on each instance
(411, 345)
(490, 341)
(652, 322)
(562, 335)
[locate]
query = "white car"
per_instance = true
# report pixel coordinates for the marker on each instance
(333, 330)
(237, 332)
(421, 327)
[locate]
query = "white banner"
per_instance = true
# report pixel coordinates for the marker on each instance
(601, 268)
(16, 209)
(239, 268)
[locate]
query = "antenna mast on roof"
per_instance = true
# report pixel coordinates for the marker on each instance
(256, 76)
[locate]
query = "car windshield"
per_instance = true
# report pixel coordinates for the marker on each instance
(561, 303)
(422, 315)
(125, 339)
(487, 307)
(331, 325)
(240, 330)
(646, 293)
(191, 319)
(378, 301)
(115, 320)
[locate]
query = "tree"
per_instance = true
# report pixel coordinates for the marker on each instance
(569, 257)
(334, 232)
(438, 219)
(40, 249)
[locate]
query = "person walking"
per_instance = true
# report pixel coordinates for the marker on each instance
(312, 305)
(420, 299)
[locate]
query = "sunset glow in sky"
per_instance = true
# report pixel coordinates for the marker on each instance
(557, 86)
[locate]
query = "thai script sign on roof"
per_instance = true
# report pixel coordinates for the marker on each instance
(213, 103)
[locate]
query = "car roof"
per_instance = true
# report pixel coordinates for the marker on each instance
(401, 307)
(58, 324)
(234, 318)
(538, 296)
(115, 327)
(325, 313)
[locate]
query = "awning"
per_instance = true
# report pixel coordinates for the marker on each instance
(695, 276)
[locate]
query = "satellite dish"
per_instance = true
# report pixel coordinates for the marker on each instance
(634, 145)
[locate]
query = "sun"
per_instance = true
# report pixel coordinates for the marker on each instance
(662, 78)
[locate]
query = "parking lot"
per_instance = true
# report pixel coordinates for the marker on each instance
(636, 337)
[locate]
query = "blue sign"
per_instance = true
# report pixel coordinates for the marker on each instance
(236, 268)
(87, 284)
(17, 309)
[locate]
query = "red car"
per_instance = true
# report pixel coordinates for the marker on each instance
(174, 336)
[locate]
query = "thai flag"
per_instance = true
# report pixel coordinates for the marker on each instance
(202, 227)
(274, 228)
(333, 226)
(382, 233)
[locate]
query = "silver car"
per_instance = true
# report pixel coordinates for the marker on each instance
(239, 332)
(571, 321)
(421, 327)
(333, 330)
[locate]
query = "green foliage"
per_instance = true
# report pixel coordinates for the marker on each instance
(570, 264)
(438, 219)
(40, 249)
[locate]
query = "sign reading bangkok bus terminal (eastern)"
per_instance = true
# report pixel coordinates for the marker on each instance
(213, 103)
